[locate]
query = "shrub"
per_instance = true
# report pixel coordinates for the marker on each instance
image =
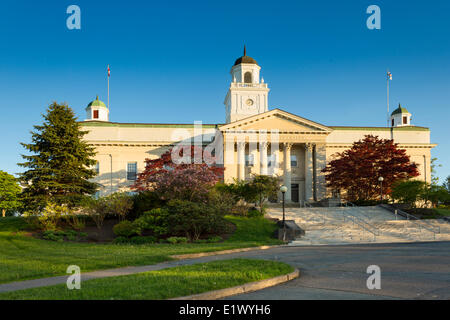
(96, 209)
(143, 202)
(120, 240)
(118, 204)
(154, 221)
(210, 240)
(125, 229)
(134, 240)
(70, 235)
(50, 217)
(142, 240)
(253, 212)
(194, 219)
(175, 240)
(408, 192)
(75, 221)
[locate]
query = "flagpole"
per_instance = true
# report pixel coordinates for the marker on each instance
(108, 86)
(387, 80)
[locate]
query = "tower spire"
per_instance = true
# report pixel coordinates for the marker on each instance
(245, 51)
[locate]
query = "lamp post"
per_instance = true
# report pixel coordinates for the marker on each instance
(380, 179)
(283, 190)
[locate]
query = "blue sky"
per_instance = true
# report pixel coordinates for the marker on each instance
(170, 61)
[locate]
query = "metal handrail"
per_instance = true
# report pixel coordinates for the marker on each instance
(420, 224)
(417, 221)
(369, 226)
(308, 205)
(375, 234)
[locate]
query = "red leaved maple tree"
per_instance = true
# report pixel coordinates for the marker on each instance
(180, 180)
(358, 169)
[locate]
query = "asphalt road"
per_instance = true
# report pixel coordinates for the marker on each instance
(408, 271)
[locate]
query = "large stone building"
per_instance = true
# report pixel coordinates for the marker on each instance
(254, 139)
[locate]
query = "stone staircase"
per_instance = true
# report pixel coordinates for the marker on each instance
(347, 225)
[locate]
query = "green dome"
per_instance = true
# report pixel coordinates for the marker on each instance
(96, 103)
(399, 110)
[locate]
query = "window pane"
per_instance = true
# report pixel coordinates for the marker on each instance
(95, 114)
(249, 160)
(131, 170)
(293, 161)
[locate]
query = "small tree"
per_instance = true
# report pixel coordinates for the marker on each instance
(409, 192)
(60, 163)
(9, 193)
(263, 187)
(357, 170)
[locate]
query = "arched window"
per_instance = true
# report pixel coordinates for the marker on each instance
(248, 77)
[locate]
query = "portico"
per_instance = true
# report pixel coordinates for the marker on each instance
(291, 150)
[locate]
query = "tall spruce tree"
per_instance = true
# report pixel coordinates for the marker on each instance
(60, 165)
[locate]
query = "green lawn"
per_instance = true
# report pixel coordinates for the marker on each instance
(443, 212)
(23, 257)
(162, 284)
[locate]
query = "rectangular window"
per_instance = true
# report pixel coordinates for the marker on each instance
(294, 161)
(270, 160)
(131, 170)
(249, 160)
(405, 120)
(97, 168)
(95, 114)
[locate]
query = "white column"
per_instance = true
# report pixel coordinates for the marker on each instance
(263, 156)
(241, 160)
(308, 172)
(287, 169)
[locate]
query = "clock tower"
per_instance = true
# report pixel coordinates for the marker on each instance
(247, 95)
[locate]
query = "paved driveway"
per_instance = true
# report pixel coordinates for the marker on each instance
(408, 271)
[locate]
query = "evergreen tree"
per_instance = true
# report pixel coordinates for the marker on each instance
(60, 165)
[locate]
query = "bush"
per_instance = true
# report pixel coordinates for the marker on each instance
(408, 192)
(194, 219)
(116, 204)
(143, 202)
(175, 240)
(210, 240)
(50, 217)
(253, 212)
(119, 204)
(75, 221)
(59, 236)
(154, 221)
(134, 240)
(125, 229)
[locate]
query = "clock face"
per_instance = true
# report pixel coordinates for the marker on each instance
(249, 102)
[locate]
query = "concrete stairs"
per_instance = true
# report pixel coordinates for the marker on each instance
(346, 225)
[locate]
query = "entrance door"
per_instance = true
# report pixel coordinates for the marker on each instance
(294, 192)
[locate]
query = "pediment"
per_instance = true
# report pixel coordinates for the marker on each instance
(276, 120)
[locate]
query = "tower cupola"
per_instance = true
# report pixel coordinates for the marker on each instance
(248, 94)
(400, 117)
(97, 111)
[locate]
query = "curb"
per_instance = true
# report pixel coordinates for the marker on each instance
(213, 253)
(245, 288)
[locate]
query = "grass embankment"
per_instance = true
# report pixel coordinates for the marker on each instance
(430, 213)
(24, 257)
(162, 284)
